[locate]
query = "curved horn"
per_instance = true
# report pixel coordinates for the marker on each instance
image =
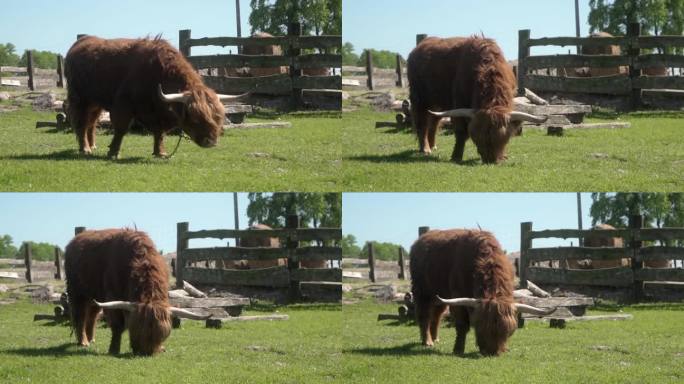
(184, 313)
(464, 301)
(522, 116)
(460, 112)
(524, 308)
(172, 97)
(233, 97)
(127, 305)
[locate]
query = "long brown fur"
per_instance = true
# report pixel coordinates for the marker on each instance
(464, 263)
(112, 265)
(122, 76)
(463, 73)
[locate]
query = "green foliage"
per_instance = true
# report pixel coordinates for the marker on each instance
(303, 158)
(383, 251)
(39, 251)
(317, 17)
(348, 55)
(314, 209)
(642, 157)
(657, 17)
(657, 209)
(381, 59)
(8, 56)
(349, 247)
(41, 59)
(7, 249)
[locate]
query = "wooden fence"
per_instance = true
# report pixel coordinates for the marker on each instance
(628, 84)
(28, 263)
(32, 77)
(290, 276)
(286, 84)
(624, 276)
(370, 73)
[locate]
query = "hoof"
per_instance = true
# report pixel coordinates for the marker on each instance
(428, 344)
(84, 344)
(86, 151)
(113, 156)
(162, 155)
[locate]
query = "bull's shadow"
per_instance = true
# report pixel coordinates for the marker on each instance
(65, 349)
(410, 156)
(408, 349)
(74, 155)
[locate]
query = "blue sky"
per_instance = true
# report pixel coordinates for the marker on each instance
(393, 24)
(395, 217)
(53, 25)
(51, 217)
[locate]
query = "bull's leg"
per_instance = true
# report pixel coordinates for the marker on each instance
(93, 117)
(435, 318)
(91, 318)
(117, 322)
(78, 316)
(82, 119)
(159, 149)
(122, 119)
(432, 125)
(462, 322)
(420, 126)
(423, 319)
(461, 131)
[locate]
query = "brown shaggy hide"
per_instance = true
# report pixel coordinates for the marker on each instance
(113, 265)
(464, 263)
(458, 72)
(123, 76)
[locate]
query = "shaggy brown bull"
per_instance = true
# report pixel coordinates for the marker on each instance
(470, 268)
(120, 271)
(470, 80)
(128, 77)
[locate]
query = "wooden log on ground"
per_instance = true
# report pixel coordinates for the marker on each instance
(549, 302)
(218, 322)
(387, 316)
(534, 98)
(41, 316)
(584, 318)
(274, 124)
(220, 302)
(9, 275)
(536, 290)
(192, 291)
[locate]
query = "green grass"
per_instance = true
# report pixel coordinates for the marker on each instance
(303, 349)
(647, 349)
(649, 156)
(303, 158)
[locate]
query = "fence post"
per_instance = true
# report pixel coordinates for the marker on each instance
(423, 230)
(402, 264)
(295, 30)
(58, 264)
(371, 262)
(369, 69)
(633, 31)
(420, 37)
(27, 261)
(525, 244)
(183, 46)
(78, 36)
(29, 69)
(523, 54)
(635, 223)
(400, 72)
(60, 71)
(181, 245)
(78, 230)
(292, 223)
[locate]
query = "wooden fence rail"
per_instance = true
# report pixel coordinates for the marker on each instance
(292, 83)
(291, 275)
(619, 276)
(629, 83)
(32, 77)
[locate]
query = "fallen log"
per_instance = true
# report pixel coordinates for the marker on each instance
(218, 322)
(194, 292)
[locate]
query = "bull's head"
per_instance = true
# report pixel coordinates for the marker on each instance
(494, 321)
(148, 324)
(492, 129)
(200, 113)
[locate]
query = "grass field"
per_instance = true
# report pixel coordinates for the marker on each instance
(646, 157)
(647, 349)
(303, 158)
(303, 349)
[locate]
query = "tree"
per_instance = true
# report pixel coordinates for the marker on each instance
(657, 17)
(383, 251)
(8, 55)
(658, 209)
(39, 251)
(349, 246)
(41, 59)
(7, 250)
(314, 209)
(349, 57)
(381, 59)
(317, 17)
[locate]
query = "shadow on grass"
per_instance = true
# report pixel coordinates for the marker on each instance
(272, 307)
(71, 155)
(408, 349)
(66, 349)
(272, 114)
(409, 156)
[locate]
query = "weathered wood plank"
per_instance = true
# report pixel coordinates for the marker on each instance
(9, 275)
(274, 84)
(560, 61)
(581, 41)
(552, 109)
(614, 85)
(574, 253)
(311, 234)
(237, 61)
(211, 302)
(10, 82)
(271, 124)
(218, 322)
(664, 234)
(317, 82)
(660, 41)
(658, 82)
(235, 233)
(611, 125)
(659, 253)
(617, 277)
(304, 42)
(317, 61)
(654, 60)
(277, 277)
(317, 253)
(548, 302)
(659, 274)
(581, 318)
(234, 253)
(316, 274)
(307, 42)
(575, 233)
(238, 108)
